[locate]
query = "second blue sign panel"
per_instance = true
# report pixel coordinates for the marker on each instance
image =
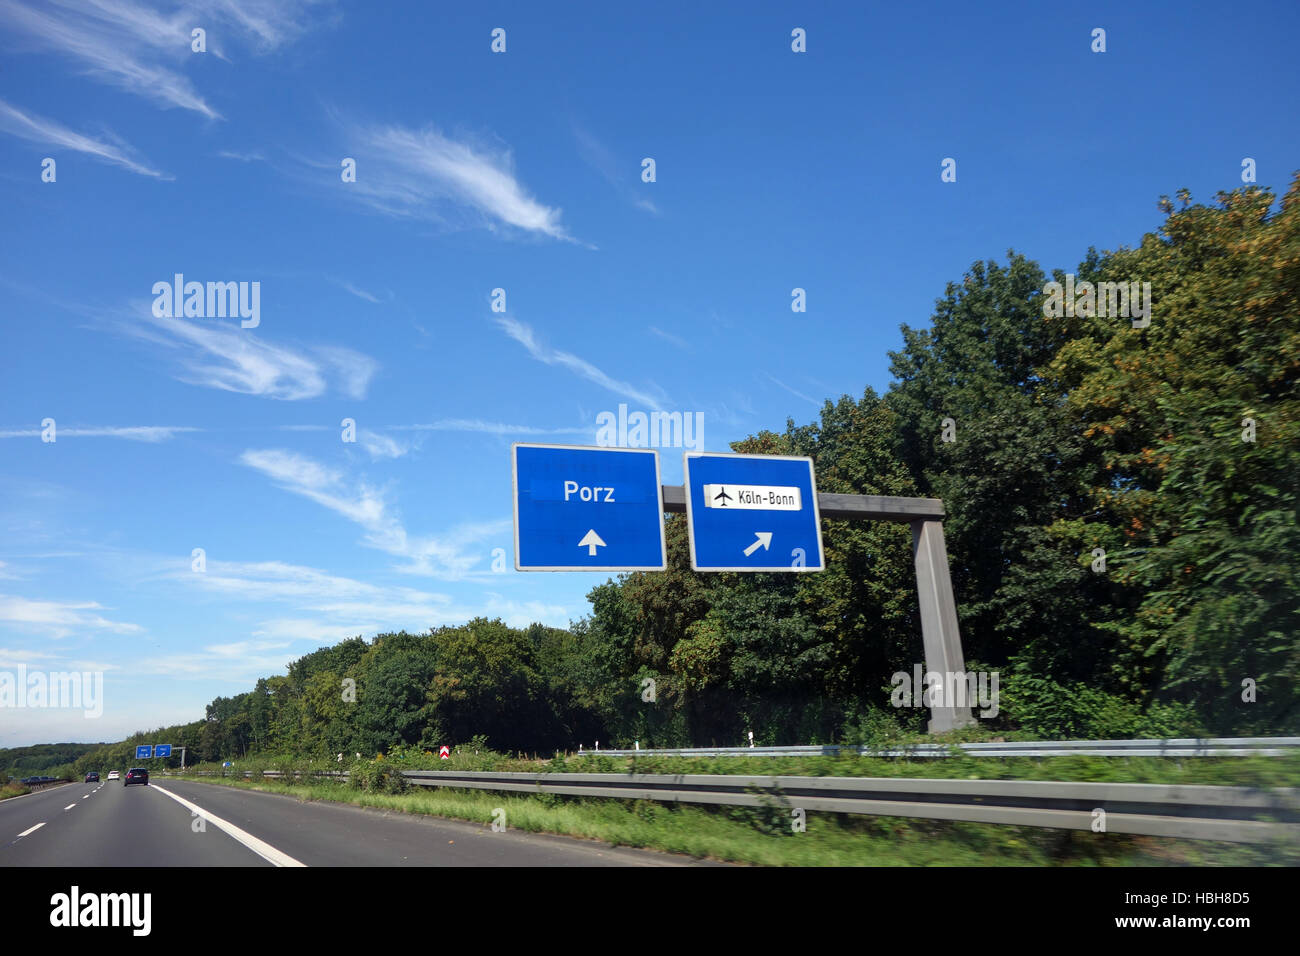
(752, 513)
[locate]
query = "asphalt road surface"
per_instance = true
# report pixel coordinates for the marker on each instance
(182, 823)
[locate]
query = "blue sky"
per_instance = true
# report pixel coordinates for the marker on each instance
(522, 171)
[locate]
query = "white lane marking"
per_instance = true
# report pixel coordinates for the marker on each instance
(260, 847)
(69, 806)
(86, 797)
(32, 830)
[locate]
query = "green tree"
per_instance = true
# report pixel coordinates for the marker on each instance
(1211, 540)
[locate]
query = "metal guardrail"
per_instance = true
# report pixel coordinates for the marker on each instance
(1231, 814)
(1177, 747)
(1190, 812)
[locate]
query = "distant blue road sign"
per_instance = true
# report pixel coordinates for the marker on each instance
(162, 750)
(587, 509)
(752, 513)
(143, 752)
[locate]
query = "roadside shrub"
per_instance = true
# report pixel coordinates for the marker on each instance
(876, 727)
(1053, 711)
(377, 776)
(289, 769)
(591, 762)
(557, 764)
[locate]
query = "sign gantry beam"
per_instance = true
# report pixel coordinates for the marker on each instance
(844, 507)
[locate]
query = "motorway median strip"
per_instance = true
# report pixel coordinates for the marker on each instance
(260, 847)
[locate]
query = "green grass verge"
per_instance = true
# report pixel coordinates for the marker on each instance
(12, 790)
(763, 835)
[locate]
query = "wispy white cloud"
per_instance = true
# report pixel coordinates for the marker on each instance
(467, 425)
(353, 369)
(524, 335)
(333, 608)
(359, 293)
(448, 556)
(305, 476)
(147, 433)
(487, 428)
(270, 24)
(59, 619)
(671, 339)
(215, 664)
(423, 174)
(109, 40)
(239, 649)
(739, 413)
(260, 581)
(623, 174)
(322, 631)
(13, 656)
(795, 392)
(241, 157)
(233, 359)
(381, 446)
(38, 129)
(142, 49)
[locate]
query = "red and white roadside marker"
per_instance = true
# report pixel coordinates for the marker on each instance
(444, 752)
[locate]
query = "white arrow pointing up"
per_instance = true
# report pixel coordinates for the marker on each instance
(591, 541)
(764, 539)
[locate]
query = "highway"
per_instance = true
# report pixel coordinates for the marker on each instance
(109, 825)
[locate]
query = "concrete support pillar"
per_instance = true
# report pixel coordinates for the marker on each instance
(939, 634)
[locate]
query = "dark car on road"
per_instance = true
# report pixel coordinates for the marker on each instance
(92, 777)
(136, 775)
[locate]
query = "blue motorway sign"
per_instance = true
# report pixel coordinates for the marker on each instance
(752, 513)
(143, 752)
(162, 750)
(587, 509)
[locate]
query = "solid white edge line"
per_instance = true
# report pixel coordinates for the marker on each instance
(32, 830)
(260, 847)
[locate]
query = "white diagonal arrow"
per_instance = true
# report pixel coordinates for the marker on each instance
(764, 539)
(591, 541)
